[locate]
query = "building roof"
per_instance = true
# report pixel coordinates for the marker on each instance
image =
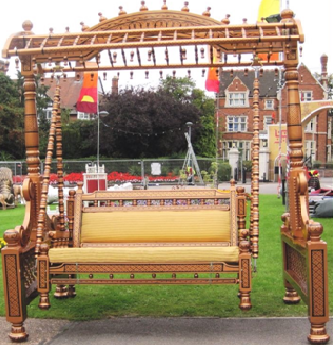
(267, 82)
(69, 92)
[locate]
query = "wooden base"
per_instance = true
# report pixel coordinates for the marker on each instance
(71, 291)
(44, 302)
(318, 334)
(291, 296)
(18, 333)
(245, 302)
(61, 291)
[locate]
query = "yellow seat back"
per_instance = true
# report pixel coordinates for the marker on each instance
(156, 226)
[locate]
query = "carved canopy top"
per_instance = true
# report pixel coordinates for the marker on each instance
(128, 33)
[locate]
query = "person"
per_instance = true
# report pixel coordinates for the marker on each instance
(314, 183)
(190, 175)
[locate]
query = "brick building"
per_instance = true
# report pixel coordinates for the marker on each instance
(235, 114)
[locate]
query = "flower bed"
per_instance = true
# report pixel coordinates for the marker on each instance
(116, 178)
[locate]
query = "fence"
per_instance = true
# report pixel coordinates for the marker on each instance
(159, 170)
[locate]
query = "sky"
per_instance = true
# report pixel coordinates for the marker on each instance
(315, 17)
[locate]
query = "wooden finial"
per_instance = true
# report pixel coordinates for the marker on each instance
(121, 11)
(164, 7)
(101, 18)
(67, 28)
(84, 27)
(27, 25)
(143, 7)
(185, 8)
(207, 12)
(226, 20)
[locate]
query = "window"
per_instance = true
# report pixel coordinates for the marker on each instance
(237, 99)
(311, 126)
(237, 123)
(268, 120)
(47, 114)
(310, 149)
(244, 148)
(305, 96)
(269, 104)
(83, 116)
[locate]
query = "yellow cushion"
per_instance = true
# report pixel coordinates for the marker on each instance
(143, 254)
(156, 227)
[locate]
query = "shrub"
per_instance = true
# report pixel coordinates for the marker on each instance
(316, 164)
(224, 172)
(247, 165)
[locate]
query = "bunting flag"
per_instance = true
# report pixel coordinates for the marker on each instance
(266, 9)
(212, 82)
(88, 98)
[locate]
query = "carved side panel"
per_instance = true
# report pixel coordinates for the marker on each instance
(245, 282)
(13, 289)
(319, 294)
(296, 266)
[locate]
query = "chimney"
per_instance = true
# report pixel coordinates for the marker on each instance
(114, 89)
(324, 79)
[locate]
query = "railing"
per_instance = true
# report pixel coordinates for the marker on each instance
(162, 171)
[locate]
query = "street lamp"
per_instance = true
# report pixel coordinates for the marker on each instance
(102, 113)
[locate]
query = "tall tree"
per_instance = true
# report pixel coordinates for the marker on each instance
(145, 124)
(11, 120)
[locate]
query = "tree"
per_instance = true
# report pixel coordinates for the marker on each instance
(145, 124)
(203, 137)
(11, 119)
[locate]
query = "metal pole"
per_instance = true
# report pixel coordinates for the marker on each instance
(97, 141)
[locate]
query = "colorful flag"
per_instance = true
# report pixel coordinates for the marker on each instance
(88, 98)
(266, 9)
(212, 82)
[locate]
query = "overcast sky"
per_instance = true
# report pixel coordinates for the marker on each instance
(315, 16)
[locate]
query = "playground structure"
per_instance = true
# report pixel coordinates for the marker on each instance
(59, 250)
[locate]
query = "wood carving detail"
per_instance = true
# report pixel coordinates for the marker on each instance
(246, 272)
(317, 281)
(297, 268)
(11, 272)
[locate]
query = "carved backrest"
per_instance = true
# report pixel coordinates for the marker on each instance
(156, 216)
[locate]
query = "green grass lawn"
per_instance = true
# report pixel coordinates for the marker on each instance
(98, 301)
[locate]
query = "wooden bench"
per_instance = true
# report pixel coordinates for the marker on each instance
(123, 233)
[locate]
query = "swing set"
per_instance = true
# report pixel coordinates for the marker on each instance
(157, 233)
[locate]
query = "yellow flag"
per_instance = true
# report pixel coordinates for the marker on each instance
(267, 8)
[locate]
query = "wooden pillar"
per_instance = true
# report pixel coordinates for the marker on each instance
(14, 291)
(254, 221)
(31, 142)
(317, 285)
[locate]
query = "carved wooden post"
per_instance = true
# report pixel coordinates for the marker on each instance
(60, 172)
(317, 285)
(43, 278)
(241, 214)
(31, 140)
(245, 276)
(254, 226)
(70, 215)
(13, 285)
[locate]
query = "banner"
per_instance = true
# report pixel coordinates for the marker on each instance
(88, 98)
(274, 137)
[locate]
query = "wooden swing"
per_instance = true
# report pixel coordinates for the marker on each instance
(134, 232)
